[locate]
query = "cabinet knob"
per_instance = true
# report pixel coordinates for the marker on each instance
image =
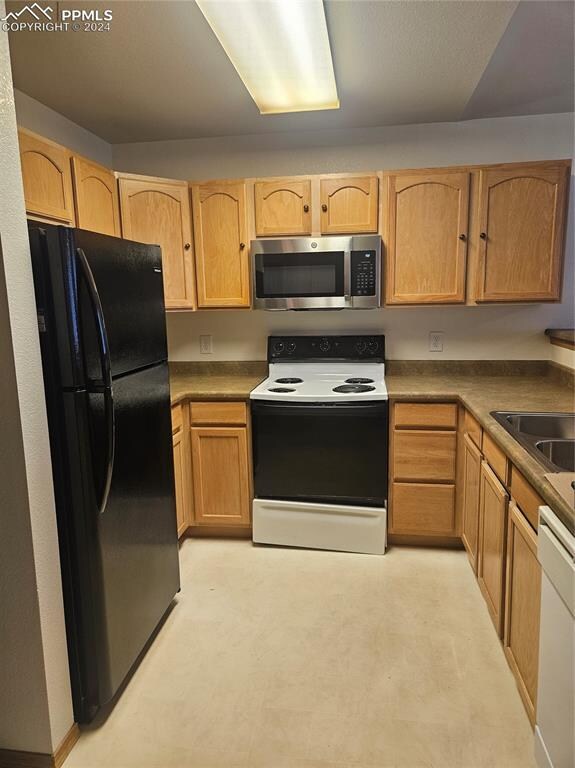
(324, 207)
(462, 237)
(242, 246)
(306, 208)
(187, 246)
(483, 235)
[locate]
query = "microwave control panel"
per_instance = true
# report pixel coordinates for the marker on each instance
(363, 273)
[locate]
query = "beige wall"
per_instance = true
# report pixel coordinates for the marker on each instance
(37, 117)
(481, 332)
(35, 703)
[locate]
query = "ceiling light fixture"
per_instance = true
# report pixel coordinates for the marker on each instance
(280, 49)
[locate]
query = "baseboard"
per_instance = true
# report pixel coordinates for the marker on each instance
(219, 531)
(413, 540)
(11, 758)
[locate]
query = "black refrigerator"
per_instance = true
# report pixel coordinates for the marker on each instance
(103, 340)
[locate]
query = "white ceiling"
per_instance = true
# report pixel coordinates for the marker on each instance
(160, 73)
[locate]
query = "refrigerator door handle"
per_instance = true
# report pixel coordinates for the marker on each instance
(105, 385)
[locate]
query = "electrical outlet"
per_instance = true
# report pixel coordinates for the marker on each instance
(206, 345)
(436, 341)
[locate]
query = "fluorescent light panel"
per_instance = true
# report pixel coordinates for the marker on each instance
(280, 49)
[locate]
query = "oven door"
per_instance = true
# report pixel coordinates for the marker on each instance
(301, 279)
(333, 453)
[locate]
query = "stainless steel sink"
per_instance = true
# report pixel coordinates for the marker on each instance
(559, 452)
(549, 437)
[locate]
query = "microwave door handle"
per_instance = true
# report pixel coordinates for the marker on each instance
(347, 278)
(104, 386)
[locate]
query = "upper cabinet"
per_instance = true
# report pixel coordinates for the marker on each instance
(427, 221)
(157, 211)
(96, 197)
(222, 253)
(521, 225)
(282, 207)
(349, 204)
(47, 178)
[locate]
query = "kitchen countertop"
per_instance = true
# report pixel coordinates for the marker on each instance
(215, 381)
(519, 387)
(481, 387)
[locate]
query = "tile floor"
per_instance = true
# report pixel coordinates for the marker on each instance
(279, 657)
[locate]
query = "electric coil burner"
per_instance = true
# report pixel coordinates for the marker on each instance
(320, 449)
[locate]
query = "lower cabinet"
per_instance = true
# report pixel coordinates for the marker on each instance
(522, 605)
(182, 467)
(221, 466)
(492, 538)
(470, 499)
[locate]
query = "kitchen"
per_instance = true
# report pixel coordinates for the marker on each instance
(427, 223)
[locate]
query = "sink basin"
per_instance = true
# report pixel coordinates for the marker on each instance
(552, 425)
(549, 437)
(559, 452)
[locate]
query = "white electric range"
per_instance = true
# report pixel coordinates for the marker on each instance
(320, 441)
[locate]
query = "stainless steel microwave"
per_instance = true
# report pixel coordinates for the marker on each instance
(317, 272)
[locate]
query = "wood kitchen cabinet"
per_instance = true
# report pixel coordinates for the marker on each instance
(182, 467)
(471, 472)
(349, 204)
(422, 470)
(492, 540)
(427, 221)
(221, 464)
(157, 211)
(282, 207)
(47, 179)
(522, 605)
(521, 229)
(96, 197)
(222, 252)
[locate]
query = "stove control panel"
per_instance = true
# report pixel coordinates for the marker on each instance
(316, 348)
(363, 273)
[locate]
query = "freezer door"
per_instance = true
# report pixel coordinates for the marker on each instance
(137, 536)
(128, 280)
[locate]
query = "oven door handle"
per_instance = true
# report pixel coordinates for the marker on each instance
(373, 408)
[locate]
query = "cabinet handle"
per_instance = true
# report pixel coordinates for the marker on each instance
(483, 235)
(306, 208)
(187, 246)
(462, 237)
(324, 207)
(242, 246)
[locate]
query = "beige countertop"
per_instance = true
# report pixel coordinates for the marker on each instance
(480, 387)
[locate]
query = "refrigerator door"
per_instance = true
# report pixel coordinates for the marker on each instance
(128, 280)
(136, 531)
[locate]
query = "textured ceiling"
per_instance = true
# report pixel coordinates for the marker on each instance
(160, 73)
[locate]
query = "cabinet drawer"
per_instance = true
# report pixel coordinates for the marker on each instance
(423, 455)
(423, 508)
(473, 428)
(430, 415)
(495, 458)
(177, 418)
(528, 500)
(218, 413)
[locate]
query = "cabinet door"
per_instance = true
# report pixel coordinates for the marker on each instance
(521, 233)
(47, 178)
(349, 204)
(222, 257)
(283, 207)
(523, 600)
(221, 475)
(96, 197)
(470, 504)
(427, 238)
(492, 526)
(158, 212)
(180, 475)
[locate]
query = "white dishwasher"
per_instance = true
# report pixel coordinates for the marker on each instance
(555, 730)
